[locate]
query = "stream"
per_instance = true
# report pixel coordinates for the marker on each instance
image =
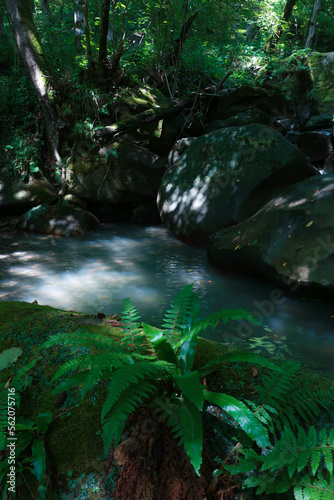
(95, 272)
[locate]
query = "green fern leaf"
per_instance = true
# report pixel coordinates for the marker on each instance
(114, 418)
(239, 356)
(131, 324)
(129, 375)
(177, 320)
(224, 315)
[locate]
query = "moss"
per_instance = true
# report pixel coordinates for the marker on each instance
(285, 76)
(72, 442)
(87, 164)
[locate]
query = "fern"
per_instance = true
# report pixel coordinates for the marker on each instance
(131, 326)
(293, 404)
(287, 464)
(177, 319)
(129, 375)
(114, 416)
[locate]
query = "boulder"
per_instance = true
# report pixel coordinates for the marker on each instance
(245, 118)
(232, 102)
(16, 197)
(319, 122)
(60, 220)
(122, 173)
(222, 178)
(147, 214)
(316, 145)
(290, 240)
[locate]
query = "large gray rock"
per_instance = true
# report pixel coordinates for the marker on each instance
(290, 240)
(60, 220)
(222, 178)
(16, 197)
(245, 118)
(124, 172)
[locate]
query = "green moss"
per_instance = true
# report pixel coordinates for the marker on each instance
(72, 442)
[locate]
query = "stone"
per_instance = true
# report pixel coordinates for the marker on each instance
(124, 173)
(147, 214)
(319, 122)
(289, 241)
(245, 118)
(224, 177)
(316, 145)
(16, 197)
(60, 220)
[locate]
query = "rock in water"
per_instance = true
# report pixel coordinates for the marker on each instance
(290, 240)
(224, 177)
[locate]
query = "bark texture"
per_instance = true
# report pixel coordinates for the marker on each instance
(312, 25)
(33, 57)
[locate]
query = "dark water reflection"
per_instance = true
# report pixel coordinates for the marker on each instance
(97, 271)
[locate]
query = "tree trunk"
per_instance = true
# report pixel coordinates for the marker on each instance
(31, 52)
(312, 24)
(179, 42)
(87, 32)
(275, 38)
(104, 27)
(78, 23)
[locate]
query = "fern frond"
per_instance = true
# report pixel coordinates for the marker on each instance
(309, 488)
(177, 319)
(130, 398)
(125, 377)
(264, 413)
(106, 361)
(296, 451)
(224, 315)
(80, 339)
(131, 325)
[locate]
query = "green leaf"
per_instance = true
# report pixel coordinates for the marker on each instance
(74, 380)
(239, 356)
(191, 420)
(245, 418)
(39, 459)
(42, 421)
(9, 356)
(192, 388)
(187, 353)
(161, 346)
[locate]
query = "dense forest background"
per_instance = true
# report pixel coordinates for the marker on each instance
(76, 59)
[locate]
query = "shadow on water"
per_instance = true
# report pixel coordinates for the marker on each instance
(97, 271)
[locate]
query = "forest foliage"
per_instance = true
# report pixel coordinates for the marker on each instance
(94, 51)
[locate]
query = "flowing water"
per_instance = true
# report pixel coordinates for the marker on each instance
(94, 273)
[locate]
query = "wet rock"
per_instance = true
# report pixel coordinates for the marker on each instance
(16, 197)
(245, 118)
(125, 173)
(60, 220)
(290, 240)
(224, 177)
(316, 145)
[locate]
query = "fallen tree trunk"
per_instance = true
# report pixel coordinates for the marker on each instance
(112, 132)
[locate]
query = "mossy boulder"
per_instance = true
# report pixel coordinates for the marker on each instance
(60, 220)
(74, 449)
(125, 173)
(305, 78)
(16, 197)
(290, 240)
(224, 177)
(245, 118)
